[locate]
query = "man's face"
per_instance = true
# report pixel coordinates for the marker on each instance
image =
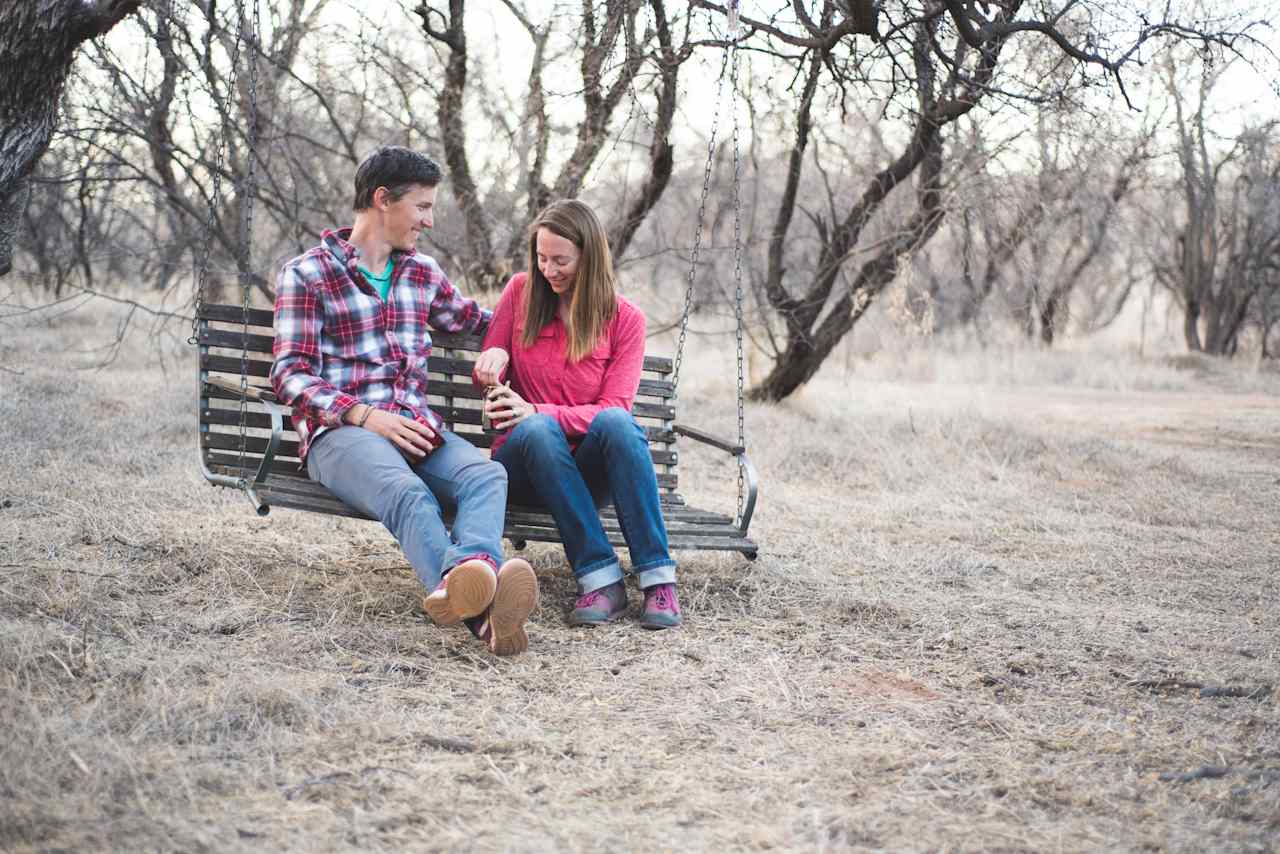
(406, 217)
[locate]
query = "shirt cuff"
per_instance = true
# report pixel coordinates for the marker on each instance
(334, 414)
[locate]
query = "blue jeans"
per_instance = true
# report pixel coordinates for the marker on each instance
(611, 464)
(370, 475)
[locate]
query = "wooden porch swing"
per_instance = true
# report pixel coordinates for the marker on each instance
(246, 442)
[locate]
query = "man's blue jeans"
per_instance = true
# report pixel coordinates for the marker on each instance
(369, 474)
(611, 464)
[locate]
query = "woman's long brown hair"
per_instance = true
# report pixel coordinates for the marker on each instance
(594, 300)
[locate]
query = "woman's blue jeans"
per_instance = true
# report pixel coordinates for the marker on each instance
(611, 465)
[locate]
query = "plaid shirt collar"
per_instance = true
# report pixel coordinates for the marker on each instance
(338, 243)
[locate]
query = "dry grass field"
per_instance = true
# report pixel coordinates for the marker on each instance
(1005, 601)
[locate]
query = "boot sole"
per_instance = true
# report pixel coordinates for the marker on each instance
(470, 590)
(515, 600)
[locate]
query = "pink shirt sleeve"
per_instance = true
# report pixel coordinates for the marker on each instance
(502, 325)
(622, 376)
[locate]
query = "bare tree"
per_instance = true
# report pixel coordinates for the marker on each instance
(611, 52)
(146, 132)
(947, 56)
(1222, 263)
(1068, 226)
(38, 42)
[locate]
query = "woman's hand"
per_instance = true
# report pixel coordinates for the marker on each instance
(412, 438)
(490, 365)
(506, 408)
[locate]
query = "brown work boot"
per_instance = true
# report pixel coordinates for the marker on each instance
(502, 627)
(465, 591)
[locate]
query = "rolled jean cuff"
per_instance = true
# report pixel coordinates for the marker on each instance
(662, 572)
(484, 556)
(600, 575)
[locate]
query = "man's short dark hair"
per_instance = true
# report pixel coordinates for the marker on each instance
(398, 169)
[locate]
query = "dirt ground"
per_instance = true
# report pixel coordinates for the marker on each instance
(1013, 617)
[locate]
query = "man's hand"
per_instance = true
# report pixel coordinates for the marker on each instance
(490, 365)
(507, 409)
(412, 438)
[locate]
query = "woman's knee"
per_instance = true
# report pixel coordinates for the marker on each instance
(537, 429)
(614, 423)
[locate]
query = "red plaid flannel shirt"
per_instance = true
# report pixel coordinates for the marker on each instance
(337, 344)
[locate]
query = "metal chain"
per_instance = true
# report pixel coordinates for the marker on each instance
(631, 89)
(219, 157)
(248, 189)
(697, 233)
(737, 262)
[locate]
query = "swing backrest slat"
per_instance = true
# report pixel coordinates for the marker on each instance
(228, 344)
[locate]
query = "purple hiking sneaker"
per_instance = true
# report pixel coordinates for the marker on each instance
(599, 606)
(661, 607)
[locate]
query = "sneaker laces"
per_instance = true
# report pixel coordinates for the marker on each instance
(588, 600)
(663, 598)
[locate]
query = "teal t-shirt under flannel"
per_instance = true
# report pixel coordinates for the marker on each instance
(382, 283)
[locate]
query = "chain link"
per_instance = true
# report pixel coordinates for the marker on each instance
(697, 233)
(738, 295)
(248, 189)
(729, 63)
(631, 89)
(215, 195)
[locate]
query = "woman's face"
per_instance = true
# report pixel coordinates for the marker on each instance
(558, 261)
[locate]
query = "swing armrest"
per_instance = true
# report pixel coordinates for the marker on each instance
(268, 399)
(254, 393)
(748, 470)
(707, 439)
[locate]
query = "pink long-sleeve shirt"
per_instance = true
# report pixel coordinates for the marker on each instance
(570, 392)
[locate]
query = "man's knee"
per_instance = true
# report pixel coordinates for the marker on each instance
(404, 495)
(493, 473)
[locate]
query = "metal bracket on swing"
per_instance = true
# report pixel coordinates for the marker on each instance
(267, 399)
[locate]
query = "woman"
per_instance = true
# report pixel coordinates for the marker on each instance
(571, 351)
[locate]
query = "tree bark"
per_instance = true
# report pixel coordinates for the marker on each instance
(38, 40)
(13, 201)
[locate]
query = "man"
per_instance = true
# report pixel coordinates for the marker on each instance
(353, 319)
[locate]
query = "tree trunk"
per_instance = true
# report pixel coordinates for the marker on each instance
(1048, 316)
(805, 354)
(38, 40)
(1191, 326)
(661, 152)
(12, 204)
(480, 273)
